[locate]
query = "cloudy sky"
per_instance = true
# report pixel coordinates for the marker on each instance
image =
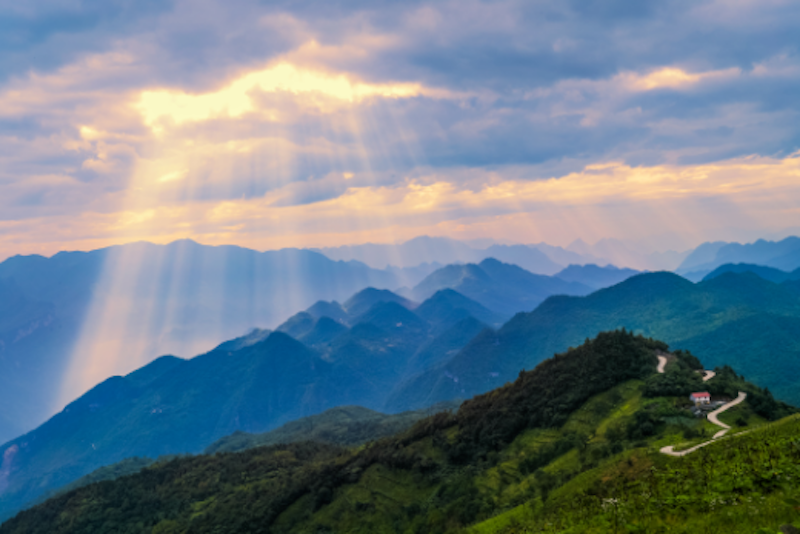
(315, 123)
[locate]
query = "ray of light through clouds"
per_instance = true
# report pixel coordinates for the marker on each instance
(294, 124)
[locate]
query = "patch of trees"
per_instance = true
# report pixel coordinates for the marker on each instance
(677, 381)
(545, 396)
(728, 384)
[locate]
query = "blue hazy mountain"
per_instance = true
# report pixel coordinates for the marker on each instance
(503, 288)
(185, 296)
(447, 306)
(409, 259)
(175, 406)
(421, 253)
(783, 255)
(767, 273)
(252, 383)
(628, 254)
(736, 319)
(594, 276)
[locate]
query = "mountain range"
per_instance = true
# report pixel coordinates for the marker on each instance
(539, 258)
(393, 354)
(501, 287)
(184, 298)
(570, 446)
(446, 338)
(783, 255)
(767, 273)
(738, 319)
(253, 384)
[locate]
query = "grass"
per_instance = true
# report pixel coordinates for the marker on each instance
(743, 484)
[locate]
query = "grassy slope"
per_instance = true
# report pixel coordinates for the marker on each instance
(745, 483)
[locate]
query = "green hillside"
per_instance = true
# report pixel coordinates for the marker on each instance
(740, 320)
(571, 446)
(343, 425)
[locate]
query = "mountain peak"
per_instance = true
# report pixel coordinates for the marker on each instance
(366, 298)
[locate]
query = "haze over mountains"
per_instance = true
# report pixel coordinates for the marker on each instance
(69, 321)
(184, 299)
(538, 258)
(783, 255)
(387, 352)
(249, 384)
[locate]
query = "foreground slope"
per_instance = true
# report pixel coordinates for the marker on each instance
(506, 459)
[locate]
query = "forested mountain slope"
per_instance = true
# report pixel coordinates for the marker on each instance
(736, 319)
(767, 273)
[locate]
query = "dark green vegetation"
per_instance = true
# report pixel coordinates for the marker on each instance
(681, 379)
(250, 384)
(553, 447)
(501, 287)
(128, 466)
(43, 302)
(741, 320)
(344, 425)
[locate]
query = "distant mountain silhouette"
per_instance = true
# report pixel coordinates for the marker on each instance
(362, 301)
(184, 298)
(253, 383)
(629, 255)
(767, 273)
(500, 287)
(783, 255)
(414, 257)
(447, 306)
(594, 276)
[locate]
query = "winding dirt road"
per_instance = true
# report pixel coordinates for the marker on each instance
(712, 417)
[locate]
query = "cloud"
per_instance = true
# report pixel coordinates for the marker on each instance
(183, 108)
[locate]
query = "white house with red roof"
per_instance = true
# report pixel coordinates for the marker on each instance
(702, 397)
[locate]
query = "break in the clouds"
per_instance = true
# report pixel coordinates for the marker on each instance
(310, 123)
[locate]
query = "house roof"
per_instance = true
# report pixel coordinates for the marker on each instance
(701, 394)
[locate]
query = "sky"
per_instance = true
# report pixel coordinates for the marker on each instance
(320, 123)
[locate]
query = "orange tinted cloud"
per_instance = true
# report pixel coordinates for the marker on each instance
(766, 191)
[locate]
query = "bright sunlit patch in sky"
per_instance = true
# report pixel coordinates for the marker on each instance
(236, 99)
(672, 78)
